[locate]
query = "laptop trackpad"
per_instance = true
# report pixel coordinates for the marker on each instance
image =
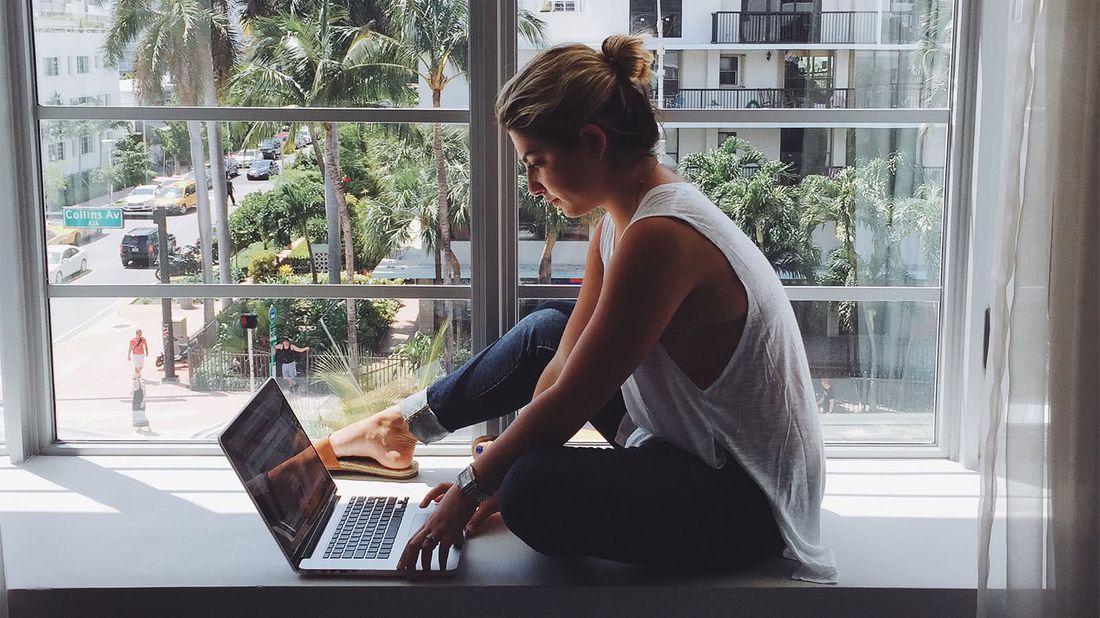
(452, 558)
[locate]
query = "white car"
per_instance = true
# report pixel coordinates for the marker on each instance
(64, 261)
(140, 200)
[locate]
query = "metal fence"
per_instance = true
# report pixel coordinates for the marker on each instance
(220, 370)
(747, 98)
(826, 27)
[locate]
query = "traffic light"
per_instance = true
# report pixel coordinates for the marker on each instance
(248, 320)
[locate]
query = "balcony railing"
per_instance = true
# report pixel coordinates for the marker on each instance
(826, 27)
(747, 98)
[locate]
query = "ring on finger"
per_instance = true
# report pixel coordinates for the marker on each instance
(431, 539)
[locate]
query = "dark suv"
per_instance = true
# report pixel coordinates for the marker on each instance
(139, 247)
(271, 148)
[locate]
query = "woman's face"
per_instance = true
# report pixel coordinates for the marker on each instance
(565, 177)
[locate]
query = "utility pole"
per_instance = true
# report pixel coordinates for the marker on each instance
(166, 303)
(660, 58)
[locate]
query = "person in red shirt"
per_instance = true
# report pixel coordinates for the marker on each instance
(137, 352)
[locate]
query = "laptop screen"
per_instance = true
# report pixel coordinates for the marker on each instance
(278, 466)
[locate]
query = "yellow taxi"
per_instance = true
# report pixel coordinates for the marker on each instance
(177, 198)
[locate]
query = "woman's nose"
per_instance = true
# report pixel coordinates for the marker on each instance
(534, 187)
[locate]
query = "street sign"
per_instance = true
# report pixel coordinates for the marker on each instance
(271, 315)
(93, 217)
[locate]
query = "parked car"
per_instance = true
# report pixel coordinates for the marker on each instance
(271, 148)
(177, 198)
(64, 261)
(191, 177)
(57, 234)
(244, 158)
(262, 169)
(139, 201)
(303, 139)
(139, 247)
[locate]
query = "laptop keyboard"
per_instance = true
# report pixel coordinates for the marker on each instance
(367, 528)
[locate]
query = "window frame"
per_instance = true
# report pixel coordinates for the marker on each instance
(29, 413)
(738, 73)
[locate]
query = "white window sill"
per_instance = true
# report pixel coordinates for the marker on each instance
(117, 533)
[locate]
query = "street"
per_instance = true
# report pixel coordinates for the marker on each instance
(104, 265)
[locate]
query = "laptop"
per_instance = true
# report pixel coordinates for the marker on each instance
(319, 531)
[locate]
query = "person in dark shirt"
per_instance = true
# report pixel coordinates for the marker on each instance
(286, 359)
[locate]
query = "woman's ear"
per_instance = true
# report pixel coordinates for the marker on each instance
(594, 140)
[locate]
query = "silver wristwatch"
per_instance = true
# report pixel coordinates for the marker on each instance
(468, 484)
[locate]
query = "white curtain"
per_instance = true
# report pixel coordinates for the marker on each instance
(1040, 507)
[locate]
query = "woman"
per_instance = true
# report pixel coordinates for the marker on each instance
(137, 351)
(682, 350)
(286, 359)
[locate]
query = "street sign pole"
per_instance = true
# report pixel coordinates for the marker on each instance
(166, 303)
(251, 363)
(271, 315)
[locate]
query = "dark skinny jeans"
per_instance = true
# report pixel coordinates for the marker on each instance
(654, 505)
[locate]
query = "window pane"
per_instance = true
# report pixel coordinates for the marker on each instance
(1, 401)
(894, 177)
(93, 378)
(874, 368)
(278, 212)
(897, 58)
(230, 56)
(889, 181)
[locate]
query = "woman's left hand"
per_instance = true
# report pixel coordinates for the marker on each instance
(443, 530)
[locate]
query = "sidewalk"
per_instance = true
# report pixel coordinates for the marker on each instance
(92, 382)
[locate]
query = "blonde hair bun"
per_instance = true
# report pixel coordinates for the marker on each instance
(629, 58)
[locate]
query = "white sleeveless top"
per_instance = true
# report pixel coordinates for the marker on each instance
(761, 409)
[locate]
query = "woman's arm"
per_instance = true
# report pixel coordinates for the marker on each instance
(297, 349)
(627, 322)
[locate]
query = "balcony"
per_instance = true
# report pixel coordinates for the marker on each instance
(827, 27)
(878, 96)
(748, 98)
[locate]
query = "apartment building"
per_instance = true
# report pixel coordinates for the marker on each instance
(74, 72)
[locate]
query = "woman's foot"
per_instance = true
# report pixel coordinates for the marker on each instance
(383, 437)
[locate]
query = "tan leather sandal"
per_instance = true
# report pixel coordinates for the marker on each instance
(361, 466)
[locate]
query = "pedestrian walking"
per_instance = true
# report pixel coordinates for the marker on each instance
(137, 404)
(229, 189)
(138, 350)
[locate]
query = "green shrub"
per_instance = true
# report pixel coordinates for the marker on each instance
(263, 267)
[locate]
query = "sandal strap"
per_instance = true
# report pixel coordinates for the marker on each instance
(328, 456)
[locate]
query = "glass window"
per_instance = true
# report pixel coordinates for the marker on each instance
(728, 71)
(561, 6)
(277, 214)
(242, 45)
(643, 17)
(849, 206)
(51, 66)
(56, 151)
(401, 346)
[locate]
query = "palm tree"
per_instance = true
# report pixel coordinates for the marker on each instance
(865, 197)
(167, 33)
(552, 220)
(318, 59)
(754, 193)
(303, 199)
(437, 34)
